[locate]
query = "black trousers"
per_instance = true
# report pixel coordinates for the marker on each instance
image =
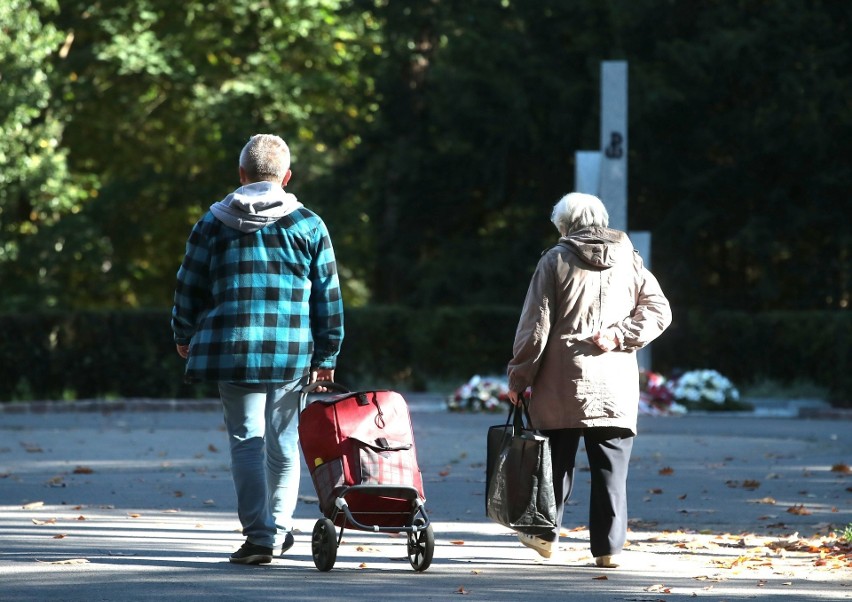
(608, 450)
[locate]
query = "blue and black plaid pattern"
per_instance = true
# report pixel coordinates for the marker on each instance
(258, 307)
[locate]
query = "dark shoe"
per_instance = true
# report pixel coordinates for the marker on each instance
(288, 543)
(250, 553)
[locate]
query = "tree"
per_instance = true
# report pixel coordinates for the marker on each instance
(39, 196)
(156, 98)
(738, 162)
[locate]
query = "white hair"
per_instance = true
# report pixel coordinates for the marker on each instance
(578, 210)
(265, 157)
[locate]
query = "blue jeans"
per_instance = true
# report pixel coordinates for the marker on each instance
(262, 425)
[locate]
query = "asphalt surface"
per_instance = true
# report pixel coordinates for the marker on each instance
(135, 504)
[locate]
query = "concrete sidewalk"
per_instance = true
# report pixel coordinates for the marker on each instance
(138, 505)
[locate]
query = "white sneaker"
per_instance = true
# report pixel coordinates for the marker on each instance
(607, 562)
(543, 547)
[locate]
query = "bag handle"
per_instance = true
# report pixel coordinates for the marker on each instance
(516, 416)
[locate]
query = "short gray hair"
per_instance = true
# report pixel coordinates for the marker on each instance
(265, 157)
(578, 210)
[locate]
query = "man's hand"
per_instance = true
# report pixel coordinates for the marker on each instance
(183, 351)
(322, 374)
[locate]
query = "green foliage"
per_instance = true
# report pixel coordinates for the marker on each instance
(748, 347)
(433, 137)
(39, 196)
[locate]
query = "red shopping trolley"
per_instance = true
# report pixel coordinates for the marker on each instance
(359, 448)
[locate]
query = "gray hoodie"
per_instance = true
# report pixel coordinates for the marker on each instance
(254, 206)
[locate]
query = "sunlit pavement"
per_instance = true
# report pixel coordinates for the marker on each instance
(138, 505)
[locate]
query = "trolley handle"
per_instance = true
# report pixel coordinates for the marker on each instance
(328, 384)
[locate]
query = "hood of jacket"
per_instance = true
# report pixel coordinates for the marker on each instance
(601, 248)
(254, 206)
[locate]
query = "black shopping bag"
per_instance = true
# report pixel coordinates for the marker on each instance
(519, 480)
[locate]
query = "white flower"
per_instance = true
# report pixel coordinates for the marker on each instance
(704, 386)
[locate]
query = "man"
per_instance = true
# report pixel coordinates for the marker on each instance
(258, 309)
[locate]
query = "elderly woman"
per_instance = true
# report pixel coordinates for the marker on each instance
(590, 305)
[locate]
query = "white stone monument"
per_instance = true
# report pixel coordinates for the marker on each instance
(603, 173)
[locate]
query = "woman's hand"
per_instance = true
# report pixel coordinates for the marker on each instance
(515, 398)
(607, 339)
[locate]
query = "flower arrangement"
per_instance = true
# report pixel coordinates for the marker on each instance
(706, 390)
(656, 397)
(489, 394)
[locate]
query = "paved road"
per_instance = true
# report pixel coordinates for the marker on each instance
(137, 505)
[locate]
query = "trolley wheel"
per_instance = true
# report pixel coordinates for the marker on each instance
(421, 547)
(324, 544)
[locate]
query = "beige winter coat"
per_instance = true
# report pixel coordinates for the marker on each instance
(591, 280)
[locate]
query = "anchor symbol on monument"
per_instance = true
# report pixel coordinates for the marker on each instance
(614, 150)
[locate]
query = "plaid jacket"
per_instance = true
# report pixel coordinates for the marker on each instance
(258, 307)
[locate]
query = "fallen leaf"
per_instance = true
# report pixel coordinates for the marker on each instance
(32, 505)
(363, 565)
(444, 473)
(134, 515)
(844, 468)
(658, 588)
(60, 536)
(655, 491)
(457, 542)
(765, 500)
(83, 470)
(667, 470)
(81, 517)
(50, 521)
(601, 578)
(212, 448)
(751, 484)
(799, 509)
(461, 590)
(366, 549)
(475, 572)
(681, 497)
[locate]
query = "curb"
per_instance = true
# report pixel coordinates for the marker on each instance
(109, 406)
(422, 401)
